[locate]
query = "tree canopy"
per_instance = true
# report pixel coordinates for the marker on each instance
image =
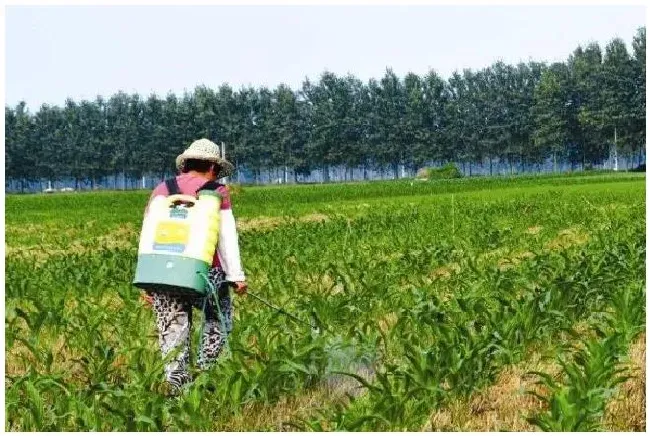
(520, 114)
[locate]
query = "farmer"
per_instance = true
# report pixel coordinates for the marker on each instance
(199, 164)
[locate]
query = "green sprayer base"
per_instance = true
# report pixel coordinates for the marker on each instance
(170, 274)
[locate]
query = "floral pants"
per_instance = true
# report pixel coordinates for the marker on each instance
(174, 322)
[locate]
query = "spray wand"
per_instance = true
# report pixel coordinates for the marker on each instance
(284, 312)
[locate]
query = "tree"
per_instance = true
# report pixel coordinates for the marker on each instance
(352, 127)
(92, 137)
(637, 129)
(435, 122)
(617, 97)
(525, 78)
(19, 145)
(155, 134)
(118, 129)
(467, 124)
(329, 106)
(243, 133)
(391, 111)
(416, 134)
(551, 113)
(49, 144)
(287, 130)
(586, 68)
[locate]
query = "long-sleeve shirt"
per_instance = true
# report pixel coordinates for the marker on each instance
(227, 254)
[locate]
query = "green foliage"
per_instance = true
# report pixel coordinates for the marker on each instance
(430, 293)
(593, 369)
(448, 171)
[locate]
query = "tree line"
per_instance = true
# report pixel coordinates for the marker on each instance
(525, 114)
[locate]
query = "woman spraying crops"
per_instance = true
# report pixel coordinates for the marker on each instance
(200, 167)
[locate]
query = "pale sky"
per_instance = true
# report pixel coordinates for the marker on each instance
(83, 51)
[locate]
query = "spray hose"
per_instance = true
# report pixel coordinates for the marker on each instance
(212, 292)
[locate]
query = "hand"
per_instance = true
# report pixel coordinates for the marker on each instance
(147, 299)
(240, 287)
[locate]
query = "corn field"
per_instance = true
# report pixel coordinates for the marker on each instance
(428, 296)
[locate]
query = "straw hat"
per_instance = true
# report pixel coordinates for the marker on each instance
(204, 149)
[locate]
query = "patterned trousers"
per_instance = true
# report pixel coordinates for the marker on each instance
(174, 322)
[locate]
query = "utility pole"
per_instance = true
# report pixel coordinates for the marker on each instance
(223, 156)
(615, 152)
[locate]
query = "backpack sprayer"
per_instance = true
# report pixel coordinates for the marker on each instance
(178, 240)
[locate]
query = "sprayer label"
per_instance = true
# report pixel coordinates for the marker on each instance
(174, 248)
(171, 236)
(178, 212)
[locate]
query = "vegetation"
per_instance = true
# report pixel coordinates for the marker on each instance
(449, 171)
(520, 115)
(425, 292)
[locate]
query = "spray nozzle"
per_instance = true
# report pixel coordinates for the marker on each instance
(316, 324)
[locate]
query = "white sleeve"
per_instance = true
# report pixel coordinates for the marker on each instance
(228, 248)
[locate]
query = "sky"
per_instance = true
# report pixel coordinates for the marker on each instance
(79, 52)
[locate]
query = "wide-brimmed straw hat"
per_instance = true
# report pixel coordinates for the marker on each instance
(204, 149)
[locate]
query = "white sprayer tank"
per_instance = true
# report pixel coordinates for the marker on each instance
(177, 243)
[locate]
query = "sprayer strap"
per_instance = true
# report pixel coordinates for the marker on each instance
(172, 186)
(211, 186)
